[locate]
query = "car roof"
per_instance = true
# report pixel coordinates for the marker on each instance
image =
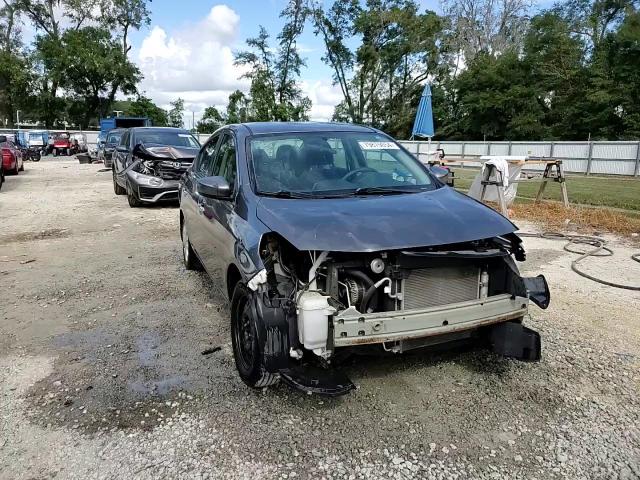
(158, 129)
(285, 127)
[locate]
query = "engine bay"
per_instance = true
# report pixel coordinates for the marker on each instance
(324, 286)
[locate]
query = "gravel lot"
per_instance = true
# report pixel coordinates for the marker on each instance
(101, 372)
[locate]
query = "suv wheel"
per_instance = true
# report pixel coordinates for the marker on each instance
(249, 359)
(118, 190)
(191, 261)
(134, 201)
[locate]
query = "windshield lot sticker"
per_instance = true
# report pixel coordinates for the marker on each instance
(378, 146)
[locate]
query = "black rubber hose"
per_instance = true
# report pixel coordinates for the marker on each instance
(599, 250)
(368, 296)
(371, 286)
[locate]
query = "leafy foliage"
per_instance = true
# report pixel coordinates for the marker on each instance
(274, 93)
(176, 114)
(211, 120)
(142, 106)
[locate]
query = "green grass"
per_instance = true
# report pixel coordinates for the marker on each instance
(617, 192)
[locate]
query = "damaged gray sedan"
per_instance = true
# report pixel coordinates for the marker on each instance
(332, 238)
(149, 161)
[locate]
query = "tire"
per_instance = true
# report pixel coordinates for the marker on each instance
(68, 152)
(55, 152)
(134, 201)
(189, 257)
(16, 170)
(117, 189)
(1, 177)
(22, 166)
(246, 352)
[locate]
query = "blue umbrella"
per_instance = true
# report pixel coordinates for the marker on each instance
(423, 125)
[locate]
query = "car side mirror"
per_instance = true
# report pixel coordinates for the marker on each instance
(3, 138)
(214, 187)
(441, 173)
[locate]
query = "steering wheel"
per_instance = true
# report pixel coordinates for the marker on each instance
(358, 171)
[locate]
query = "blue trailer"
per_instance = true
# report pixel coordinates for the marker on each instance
(108, 124)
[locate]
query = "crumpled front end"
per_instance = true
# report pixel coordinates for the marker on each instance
(398, 299)
(156, 172)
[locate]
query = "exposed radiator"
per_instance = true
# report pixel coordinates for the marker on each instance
(430, 287)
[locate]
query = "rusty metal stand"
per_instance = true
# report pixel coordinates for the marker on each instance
(559, 177)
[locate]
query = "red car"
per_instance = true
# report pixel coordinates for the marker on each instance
(11, 157)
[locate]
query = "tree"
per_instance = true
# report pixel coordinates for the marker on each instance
(176, 114)
(211, 120)
(46, 16)
(489, 26)
(126, 15)
(143, 107)
(594, 19)
(382, 78)
(91, 67)
(274, 93)
(289, 62)
(237, 108)
(15, 70)
(498, 100)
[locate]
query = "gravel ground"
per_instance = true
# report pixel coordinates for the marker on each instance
(102, 376)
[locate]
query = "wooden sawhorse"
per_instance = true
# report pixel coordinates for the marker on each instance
(548, 176)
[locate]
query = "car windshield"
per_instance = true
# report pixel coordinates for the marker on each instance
(334, 163)
(114, 138)
(174, 139)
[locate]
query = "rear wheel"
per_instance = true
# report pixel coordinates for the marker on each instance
(1, 176)
(118, 190)
(246, 351)
(22, 166)
(16, 169)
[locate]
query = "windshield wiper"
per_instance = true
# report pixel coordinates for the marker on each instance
(287, 194)
(384, 190)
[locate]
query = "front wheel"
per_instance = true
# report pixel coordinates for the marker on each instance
(134, 201)
(191, 261)
(246, 351)
(118, 190)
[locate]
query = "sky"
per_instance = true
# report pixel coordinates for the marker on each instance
(187, 52)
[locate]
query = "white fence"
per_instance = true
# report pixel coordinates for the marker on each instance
(610, 158)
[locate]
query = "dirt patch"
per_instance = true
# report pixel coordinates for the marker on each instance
(48, 234)
(555, 217)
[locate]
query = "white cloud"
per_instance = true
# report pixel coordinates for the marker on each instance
(324, 97)
(194, 63)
